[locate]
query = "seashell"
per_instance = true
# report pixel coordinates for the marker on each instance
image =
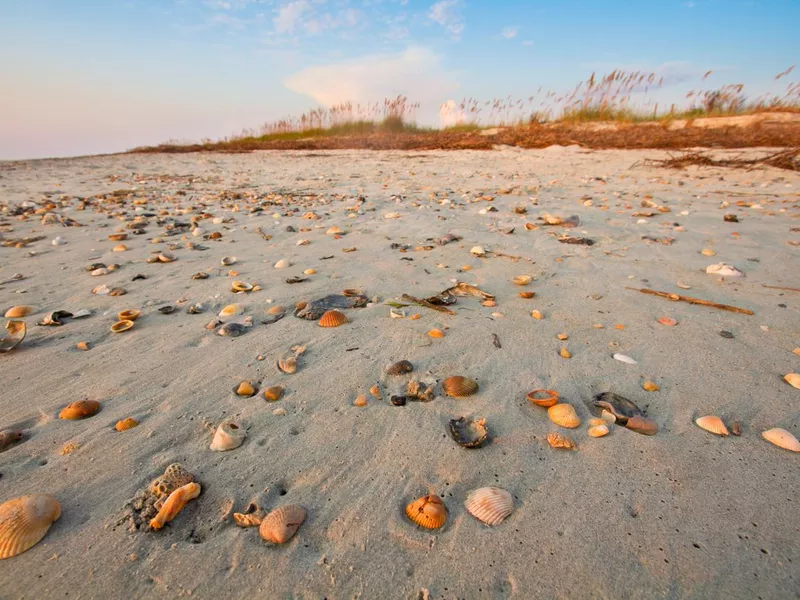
(231, 310)
(468, 433)
(397, 313)
(9, 437)
(564, 353)
(375, 392)
(625, 359)
(793, 379)
(200, 275)
(17, 312)
(232, 329)
(58, 240)
(119, 248)
(670, 322)
(564, 415)
(99, 272)
(477, 251)
(118, 237)
(332, 318)
(459, 387)
(650, 386)
(724, 270)
(436, 333)
(213, 324)
(228, 436)
(241, 286)
(279, 526)
(166, 257)
(360, 401)
(121, 326)
(273, 394)
(126, 424)
(117, 292)
(399, 368)
(595, 421)
(782, 439)
(333, 230)
(24, 521)
(562, 336)
(246, 389)
(537, 315)
(55, 318)
(489, 304)
(417, 390)
(546, 398)
(253, 519)
(129, 315)
(556, 440)
(282, 264)
(309, 272)
(276, 310)
(101, 290)
(643, 425)
(619, 409)
(491, 505)
(227, 261)
(527, 295)
(736, 429)
(82, 346)
(428, 512)
(708, 252)
(174, 504)
(597, 431)
(288, 363)
(522, 279)
(712, 424)
(16, 333)
(95, 266)
(79, 410)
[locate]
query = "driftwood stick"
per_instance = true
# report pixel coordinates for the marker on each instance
(427, 304)
(677, 297)
(777, 287)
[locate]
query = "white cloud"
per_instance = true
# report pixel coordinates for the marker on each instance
(527, 42)
(510, 32)
(290, 14)
(416, 73)
(447, 14)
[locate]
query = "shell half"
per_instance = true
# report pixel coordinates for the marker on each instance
(468, 433)
(24, 521)
(79, 410)
(564, 415)
(546, 398)
(279, 526)
(459, 387)
(16, 333)
(428, 511)
(712, 424)
(332, 318)
(490, 505)
(782, 439)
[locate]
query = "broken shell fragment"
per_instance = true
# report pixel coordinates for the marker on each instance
(229, 435)
(126, 424)
(417, 390)
(360, 401)
(375, 392)
(564, 415)
(333, 318)
(121, 326)
(279, 526)
(24, 521)
(55, 318)
(536, 314)
(245, 389)
(564, 353)
(522, 279)
(17, 312)
(782, 439)
(712, 424)
(16, 333)
(724, 270)
(650, 386)
(459, 387)
(128, 315)
(249, 519)
(527, 295)
(428, 511)
(174, 504)
(624, 359)
(546, 398)
(597, 431)
(477, 251)
(490, 505)
(793, 379)
(468, 433)
(200, 275)
(557, 440)
(79, 410)
(399, 368)
(288, 363)
(273, 394)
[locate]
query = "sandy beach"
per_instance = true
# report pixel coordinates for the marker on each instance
(681, 514)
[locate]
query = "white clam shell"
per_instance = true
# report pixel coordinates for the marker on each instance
(491, 505)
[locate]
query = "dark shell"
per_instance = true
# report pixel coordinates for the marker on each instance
(625, 413)
(398, 400)
(232, 329)
(95, 266)
(9, 437)
(138, 276)
(166, 310)
(443, 299)
(469, 433)
(200, 275)
(55, 318)
(399, 368)
(316, 308)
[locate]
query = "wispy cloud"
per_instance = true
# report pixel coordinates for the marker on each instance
(290, 14)
(447, 13)
(510, 32)
(527, 42)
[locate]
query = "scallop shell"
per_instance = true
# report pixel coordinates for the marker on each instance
(231, 310)
(597, 431)
(246, 389)
(469, 433)
(459, 387)
(241, 286)
(332, 318)
(522, 279)
(229, 435)
(118, 237)
(564, 415)
(17, 312)
(556, 440)
(527, 295)
(24, 521)
(282, 264)
(227, 261)
(273, 394)
(166, 257)
(436, 333)
(670, 322)
(121, 326)
(279, 526)
(399, 368)
(546, 398)
(16, 333)
(428, 511)
(491, 505)
(793, 379)
(782, 439)
(119, 248)
(9, 437)
(175, 503)
(79, 410)
(232, 329)
(712, 424)
(129, 315)
(126, 424)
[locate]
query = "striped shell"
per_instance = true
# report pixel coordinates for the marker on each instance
(16, 312)
(459, 387)
(129, 315)
(597, 431)
(174, 504)
(712, 424)
(273, 394)
(428, 511)
(79, 410)
(24, 521)
(491, 505)
(332, 318)
(279, 526)
(546, 398)
(126, 424)
(121, 326)
(782, 439)
(228, 436)
(564, 415)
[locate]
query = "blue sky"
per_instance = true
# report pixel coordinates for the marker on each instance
(91, 76)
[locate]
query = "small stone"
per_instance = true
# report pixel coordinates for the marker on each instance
(726, 334)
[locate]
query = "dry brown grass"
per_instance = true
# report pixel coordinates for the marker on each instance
(784, 159)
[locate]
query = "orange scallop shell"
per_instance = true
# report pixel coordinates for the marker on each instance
(16, 312)
(564, 415)
(459, 387)
(597, 431)
(712, 424)
(782, 439)
(279, 526)
(428, 511)
(126, 424)
(332, 318)
(24, 521)
(79, 410)
(436, 333)
(546, 398)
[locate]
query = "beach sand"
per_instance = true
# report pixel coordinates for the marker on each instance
(682, 514)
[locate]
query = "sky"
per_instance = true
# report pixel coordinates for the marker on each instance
(95, 76)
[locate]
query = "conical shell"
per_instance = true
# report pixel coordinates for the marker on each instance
(428, 511)
(332, 318)
(16, 333)
(273, 394)
(490, 505)
(126, 424)
(459, 387)
(564, 415)
(597, 431)
(174, 504)
(231, 310)
(279, 526)
(782, 439)
(24, 522)
(229, 435)
(17, 312)
(128, 315)
(79, 410)
(121, 326)
(546, 398)
(712, 424)
(793, 379)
